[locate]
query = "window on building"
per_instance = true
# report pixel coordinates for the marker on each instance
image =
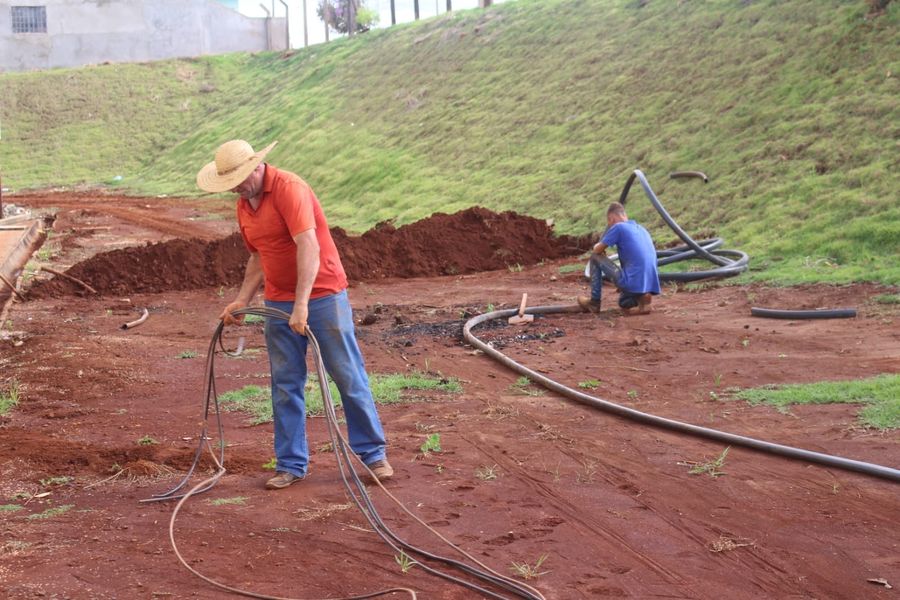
(29, 19)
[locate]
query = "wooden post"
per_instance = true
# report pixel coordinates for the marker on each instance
(449, 7)
(416, 8)
(393, 13)
(484, 3)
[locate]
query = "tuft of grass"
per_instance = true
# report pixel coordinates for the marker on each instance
(528, 571)
(710, 467)
(399, 387)
(242, 500)
(432, 444)
(727, 544)
(52, 512)
(188, 354)
(254, 400)
(880, 397)
(523, 386)
(270, 466)
(389, 388)
(321, 513)
(10, 507)
(590, 384)
(147, 441)
(57, 480)
(9, 398)
(588, 470)
(499, 412)
(406, 563)
(487, 473)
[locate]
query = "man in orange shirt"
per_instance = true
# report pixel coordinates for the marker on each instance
(291, 250)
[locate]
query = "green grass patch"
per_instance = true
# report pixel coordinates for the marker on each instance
(386, 389)
(711, 467)
(241, 500)
(431, 444)
(523, 385)
(10, 507)
(9, 398)
(786, 113)
(571, 268)
(880, 397)
(254, 400)
(52, 512)
(886, 299)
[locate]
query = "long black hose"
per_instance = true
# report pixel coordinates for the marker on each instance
(656, 421)
(777, 313)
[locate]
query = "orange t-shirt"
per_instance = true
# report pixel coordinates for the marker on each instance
(288, 207)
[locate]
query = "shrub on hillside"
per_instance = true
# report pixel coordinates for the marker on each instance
(336, 14)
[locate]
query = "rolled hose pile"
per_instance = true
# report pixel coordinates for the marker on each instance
(478, 574)
(728, 263)
(654, 420)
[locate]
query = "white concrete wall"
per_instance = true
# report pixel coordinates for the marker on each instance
(81, 32)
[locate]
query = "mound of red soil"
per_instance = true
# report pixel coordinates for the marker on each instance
(469, 241)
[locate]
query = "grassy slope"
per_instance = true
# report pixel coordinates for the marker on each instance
(541, 106)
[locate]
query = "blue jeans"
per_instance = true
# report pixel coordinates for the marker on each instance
(602, 265)
(331, 321)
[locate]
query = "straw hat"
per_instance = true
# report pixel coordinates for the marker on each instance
(235, 160)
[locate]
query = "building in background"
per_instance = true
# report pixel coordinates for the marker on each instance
(312, 30)
(44, 34)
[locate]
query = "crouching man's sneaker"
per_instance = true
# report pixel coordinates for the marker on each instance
(282, 480)
(382, 469)
(588, 305)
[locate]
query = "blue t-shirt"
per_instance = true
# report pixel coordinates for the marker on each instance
(636, 255)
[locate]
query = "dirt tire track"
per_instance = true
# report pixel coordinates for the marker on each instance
(572, 512)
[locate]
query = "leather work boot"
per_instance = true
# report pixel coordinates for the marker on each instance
(382, 469)
(644, 303)
(588, 305)
(282, 480)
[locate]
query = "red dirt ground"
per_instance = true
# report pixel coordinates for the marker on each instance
(609, 503)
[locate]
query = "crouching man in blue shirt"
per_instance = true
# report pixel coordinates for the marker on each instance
(638, 279)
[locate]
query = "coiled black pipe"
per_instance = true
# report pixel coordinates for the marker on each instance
(354, 486)
(728, 262)
(656, 421)
(831, 313)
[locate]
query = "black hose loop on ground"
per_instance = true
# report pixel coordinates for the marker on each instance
(654, 420)
(353, 484)
(832, 313)
(728, 262)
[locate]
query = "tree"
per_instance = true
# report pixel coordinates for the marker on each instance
(340, 15)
